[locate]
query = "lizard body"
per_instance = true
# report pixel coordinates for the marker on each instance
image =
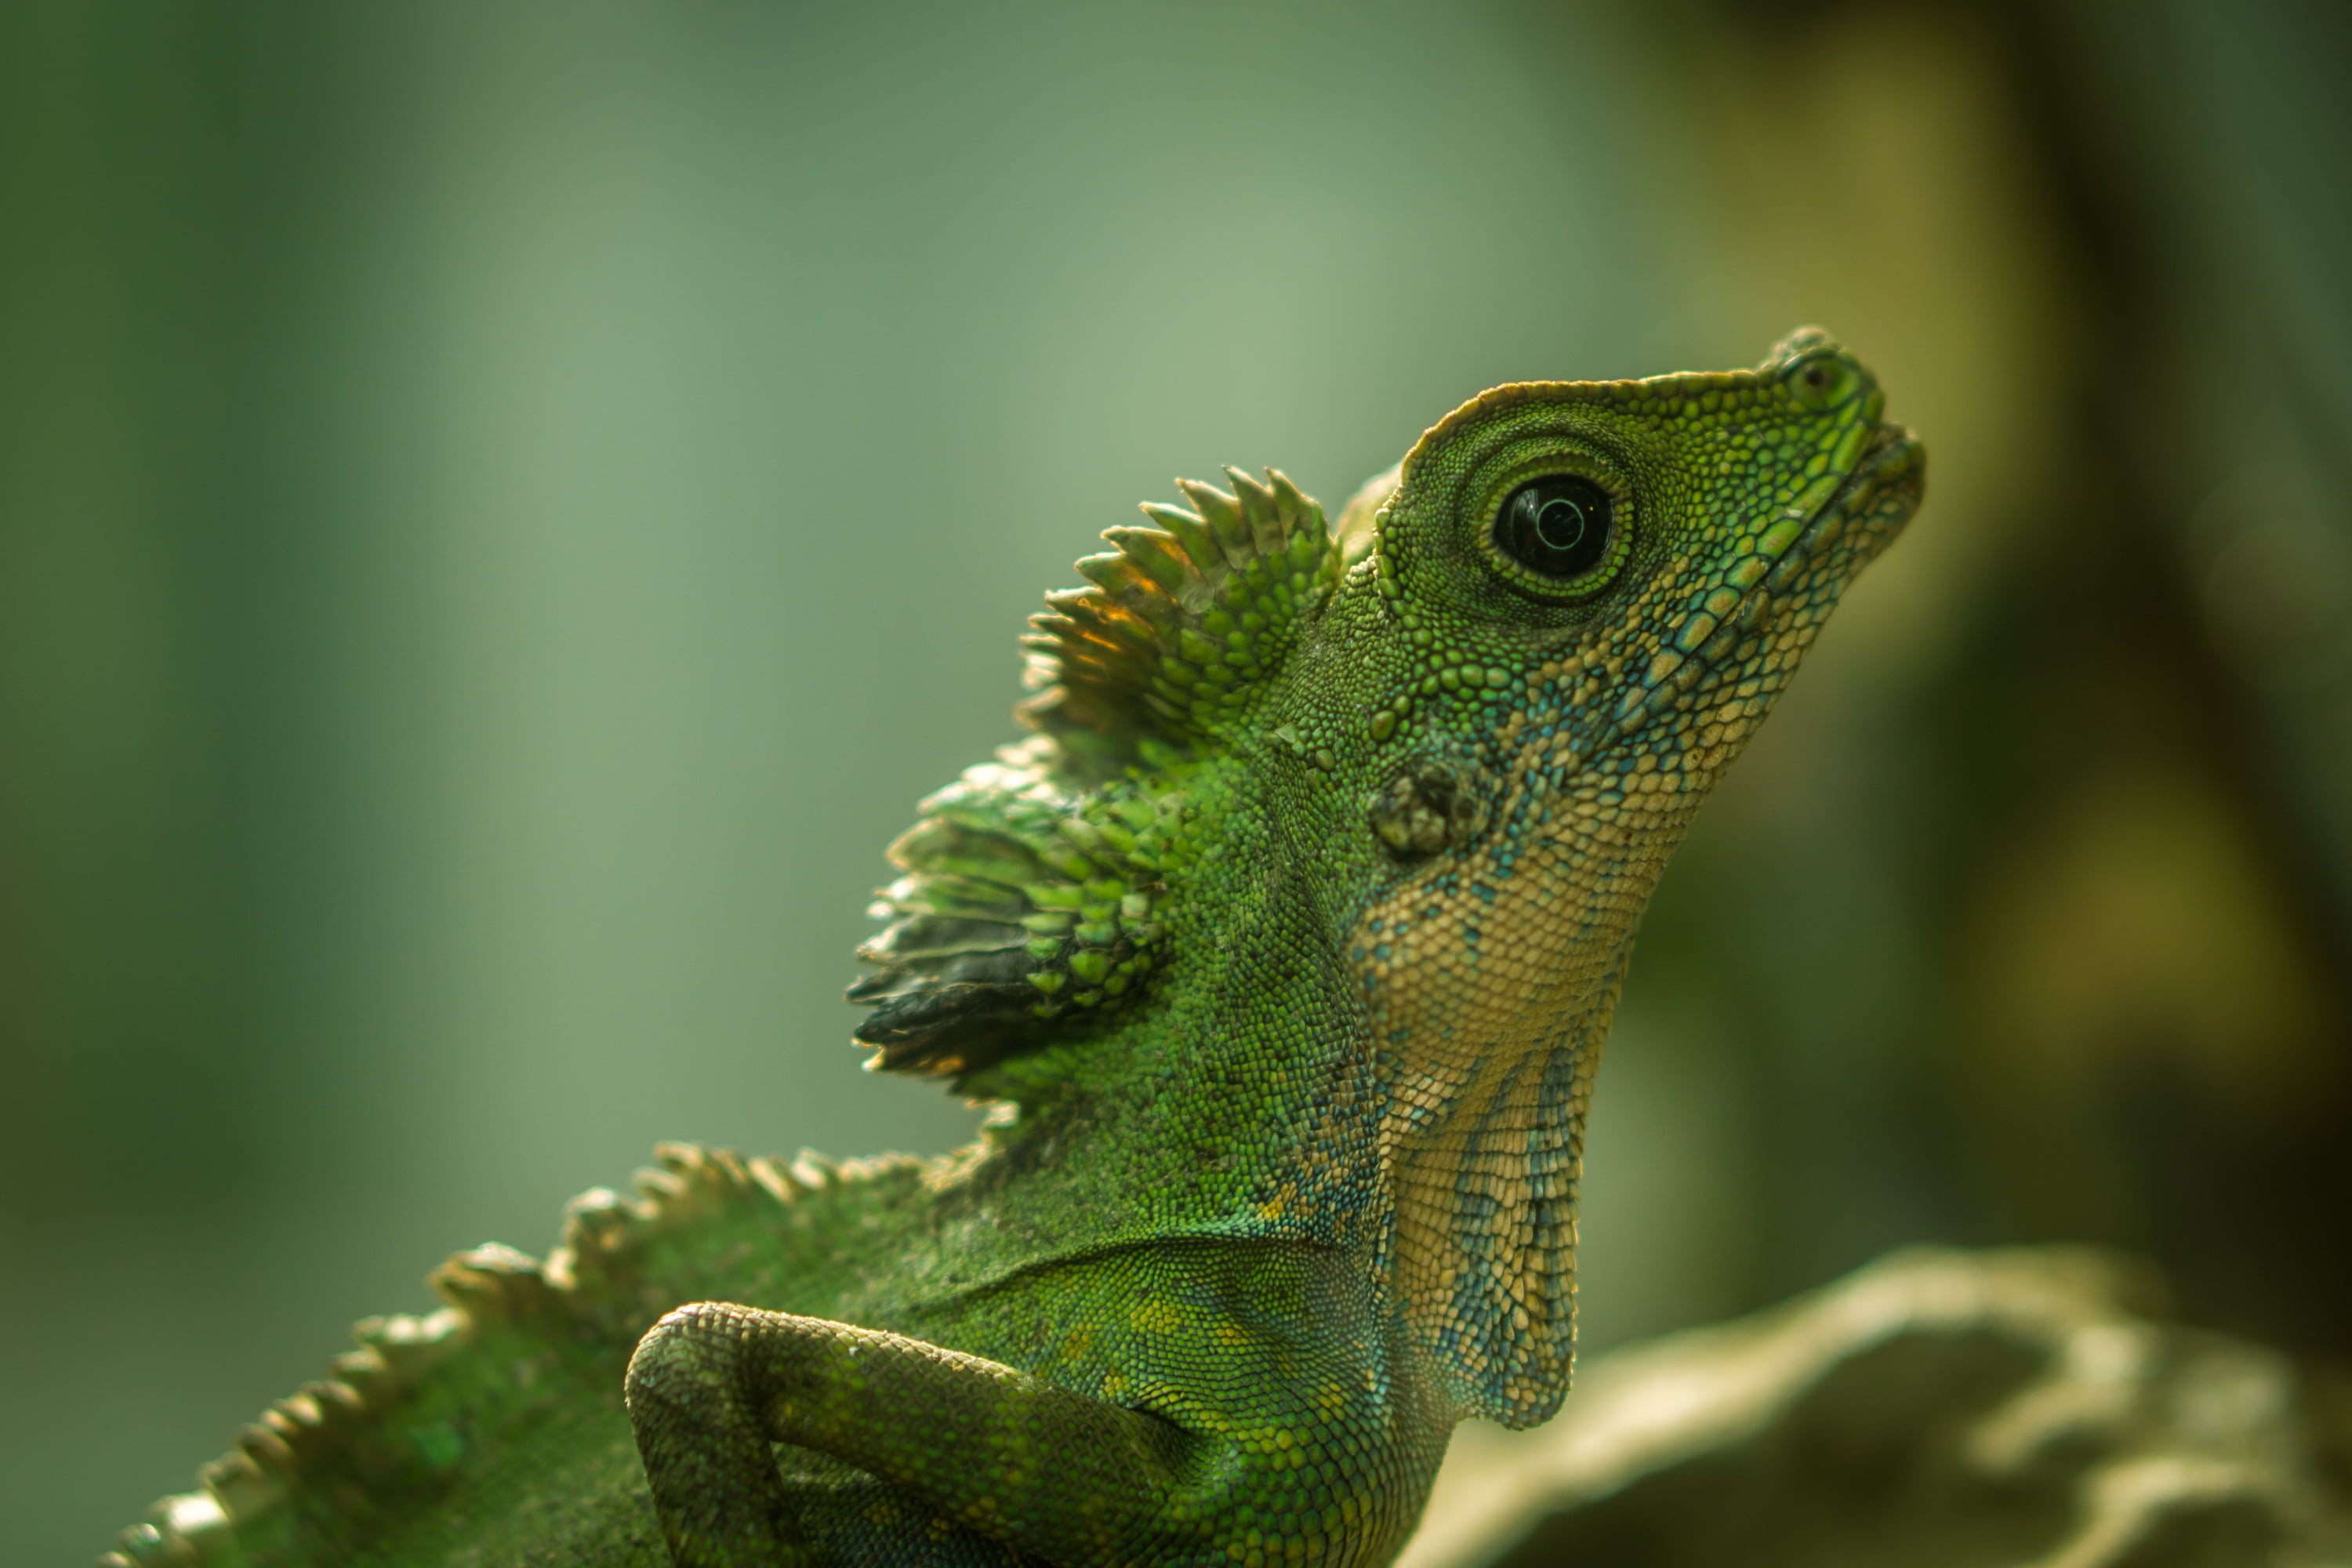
(1287, 946)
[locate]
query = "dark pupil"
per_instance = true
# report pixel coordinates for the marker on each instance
(1557, 526)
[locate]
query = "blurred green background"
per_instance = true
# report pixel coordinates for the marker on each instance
(504, 508)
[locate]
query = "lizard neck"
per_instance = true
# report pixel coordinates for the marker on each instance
(1489, 1027)
(1242, 1098)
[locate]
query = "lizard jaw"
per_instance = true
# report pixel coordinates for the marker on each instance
(1880, 492)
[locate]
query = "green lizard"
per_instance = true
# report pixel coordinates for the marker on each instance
(1287, 947)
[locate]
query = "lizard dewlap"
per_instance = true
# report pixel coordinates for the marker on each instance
(1288, 944)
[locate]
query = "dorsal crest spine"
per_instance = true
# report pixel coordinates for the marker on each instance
(1184, 620)
(1037, 885)
(1024, 902)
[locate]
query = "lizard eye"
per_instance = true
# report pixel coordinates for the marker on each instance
(1822, 382)
(1557, 526)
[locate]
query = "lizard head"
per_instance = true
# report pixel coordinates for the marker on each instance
(1570, 607)
(1561, 618)
(1544, 632)
(1396, 797)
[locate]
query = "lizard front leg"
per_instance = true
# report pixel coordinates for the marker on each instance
(712, 1385)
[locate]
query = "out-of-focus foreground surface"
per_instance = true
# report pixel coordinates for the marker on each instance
(1939, 1409)
(502, 510)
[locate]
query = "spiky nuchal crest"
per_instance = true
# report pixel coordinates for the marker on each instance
(1037, 885)
(1026, 900)
(1184, 621)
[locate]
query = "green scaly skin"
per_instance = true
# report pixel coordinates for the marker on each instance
(1287, 946)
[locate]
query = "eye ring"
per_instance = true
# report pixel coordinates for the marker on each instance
(1822, 382)
(1557, 530)
(1557, 526)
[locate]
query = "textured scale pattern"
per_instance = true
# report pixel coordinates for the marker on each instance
(1185, 619)
(1023, 902)
(1600, 749)
(1287, 946)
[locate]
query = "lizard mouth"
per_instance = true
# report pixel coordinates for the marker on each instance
(1866, 512)
(1846, 528)
(1856, 515)
(1892, 457)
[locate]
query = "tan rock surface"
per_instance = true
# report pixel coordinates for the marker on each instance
(1935, 1408)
